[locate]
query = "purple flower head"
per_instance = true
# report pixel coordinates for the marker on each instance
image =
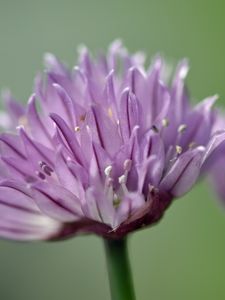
(101, 149)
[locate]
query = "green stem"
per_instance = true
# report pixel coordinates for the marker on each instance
(121, 284)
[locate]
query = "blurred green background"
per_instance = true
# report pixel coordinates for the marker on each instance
(183, 257)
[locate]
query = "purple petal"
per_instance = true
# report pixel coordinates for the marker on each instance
(153, 100)
(54, 66)
(98, 206)
(128, 207)
(66, 107)
(11, 144)
(179, 93)
(70, 138)
(19, 168)
(99, 162)
(129, 114)
(214, 148)
(109, 90)
(20, 218)
(105, 132)
(14, 108)
(184, 173)
(38, 129)
(36, 151)
(199, 123)
(65, 176)
(57, 202)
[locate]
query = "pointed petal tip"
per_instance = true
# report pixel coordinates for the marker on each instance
(212, 100)
(54, 116)
(49, 61)
(125, 91)
(59, 89)
(110, 74)
(31, 99)
(49, 58)
(116, 44)
(183, 68)
(82, 47)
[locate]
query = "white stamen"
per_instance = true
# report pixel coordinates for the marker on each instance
(109, 181)
(108, 189)
(122, 179)
(77, 128)
(108, 171)
(127, 165)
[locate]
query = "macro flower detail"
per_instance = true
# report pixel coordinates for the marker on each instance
(101, 149)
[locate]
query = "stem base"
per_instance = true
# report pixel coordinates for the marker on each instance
(121, 284)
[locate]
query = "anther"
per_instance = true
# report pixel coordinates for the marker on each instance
(108, 171)
(116, 202)
(41, 163)
(127, 165)
(122, 179)
(40, 175)
(178, 149)
(165, 122)
(155, 129)
(45, 168)
(182, 128)
(77, 128)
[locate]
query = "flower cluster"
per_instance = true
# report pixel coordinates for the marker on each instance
(101, 149)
